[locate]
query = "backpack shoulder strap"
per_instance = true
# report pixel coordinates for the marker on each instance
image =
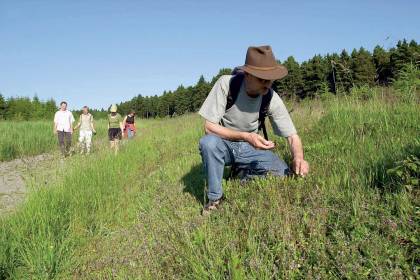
(235, 84)
(265, 105)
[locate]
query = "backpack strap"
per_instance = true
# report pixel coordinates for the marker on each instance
(265, 105)
(235, 84)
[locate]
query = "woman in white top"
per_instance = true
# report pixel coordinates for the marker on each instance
(87, 128)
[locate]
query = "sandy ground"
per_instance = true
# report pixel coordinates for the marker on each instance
(13, 176)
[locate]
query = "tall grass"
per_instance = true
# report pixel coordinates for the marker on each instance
(137, 215)
(27, 138)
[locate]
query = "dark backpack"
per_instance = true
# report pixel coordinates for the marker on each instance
(234, 87)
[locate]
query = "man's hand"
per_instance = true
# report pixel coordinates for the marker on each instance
(55, 132)
(259, 142)
(300, 166)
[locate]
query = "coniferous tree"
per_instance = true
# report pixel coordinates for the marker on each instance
(362, 67)
(343, 74)
(314, 74)
(292, 84)
(381, 58)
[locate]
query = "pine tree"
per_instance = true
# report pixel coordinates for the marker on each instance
(331, 79)
(292, 84)
(314, 75)
(404, 53)
(362, 67)
(200, 92)
(381, 58)
(343, 73)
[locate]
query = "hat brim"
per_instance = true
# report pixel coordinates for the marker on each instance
(277, 73)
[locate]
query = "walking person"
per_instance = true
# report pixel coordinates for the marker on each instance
(129, 125)
(234, 111)
(115, 128)
(63, 128)
(87, 129)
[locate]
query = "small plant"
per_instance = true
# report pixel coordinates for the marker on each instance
(363, 92)
(407, 83)
(324, 92)
(406, 173)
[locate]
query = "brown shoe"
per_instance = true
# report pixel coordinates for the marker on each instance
(211, 205)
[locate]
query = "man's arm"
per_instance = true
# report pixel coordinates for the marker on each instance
(254, 139)
(300, 166)
(92, 125)
(71, 122)
(55, 128)
(79, 123)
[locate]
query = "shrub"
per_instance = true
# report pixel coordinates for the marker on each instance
(408, 82)
(406, 173)
(363, 92)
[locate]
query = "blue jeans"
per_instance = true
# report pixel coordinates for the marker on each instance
(130, 133)
(217, 152)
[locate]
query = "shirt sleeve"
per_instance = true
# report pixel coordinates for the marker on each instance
(214, 106)
(279, 117)
(56, 117)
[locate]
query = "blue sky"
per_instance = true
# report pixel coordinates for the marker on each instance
(100, 52)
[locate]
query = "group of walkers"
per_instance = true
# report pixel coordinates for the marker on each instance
(118, 128)
(234, 113)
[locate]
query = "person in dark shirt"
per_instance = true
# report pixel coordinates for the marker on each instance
(130, 125)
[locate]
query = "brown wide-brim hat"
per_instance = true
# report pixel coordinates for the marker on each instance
(261, 63)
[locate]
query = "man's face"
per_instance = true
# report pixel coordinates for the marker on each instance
(85, 110)
(63, 106)
(256, 86)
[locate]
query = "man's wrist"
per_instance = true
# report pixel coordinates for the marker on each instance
(298, 157)
(245, 136)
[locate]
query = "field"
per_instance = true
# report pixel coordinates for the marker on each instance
(28, 138)
(137, 215)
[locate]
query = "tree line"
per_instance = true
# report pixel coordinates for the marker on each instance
(336, 73)
(25, 109)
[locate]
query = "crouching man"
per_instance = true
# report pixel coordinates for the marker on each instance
(234, 111)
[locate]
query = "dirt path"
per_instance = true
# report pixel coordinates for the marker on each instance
(17, 174)
(12, 179)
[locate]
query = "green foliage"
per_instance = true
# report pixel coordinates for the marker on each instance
(24, 108)
(332, 73)
(340, 72)
(314, 74)
(324, 92)
(137, 215)
(404, 53)
(363, 92)
(292, 84)
(407, 83)
(406, 173)
(362, 67)
(20, 139)
(382, 62)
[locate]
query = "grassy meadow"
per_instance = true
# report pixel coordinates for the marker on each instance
(28, 138)
(137, 215)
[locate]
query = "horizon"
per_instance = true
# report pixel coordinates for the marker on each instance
(99, 53)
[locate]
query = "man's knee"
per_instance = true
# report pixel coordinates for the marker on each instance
(275, 166)
(210, 142)
(279, 167)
